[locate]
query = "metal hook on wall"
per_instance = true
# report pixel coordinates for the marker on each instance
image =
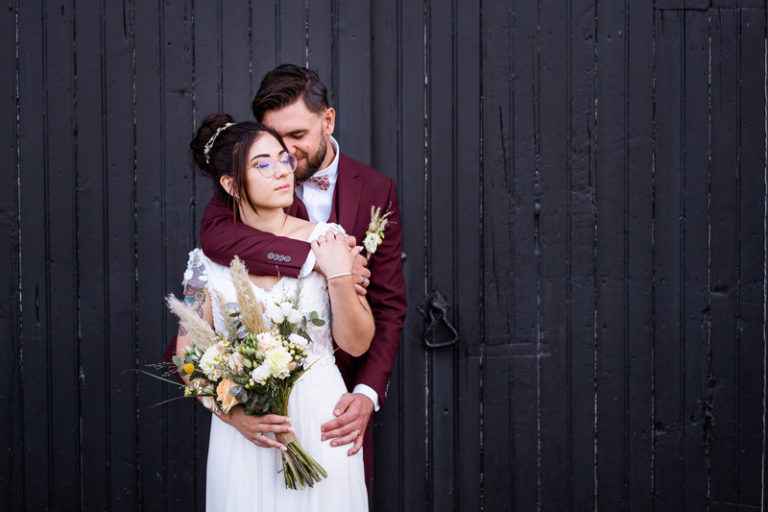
(435, 309)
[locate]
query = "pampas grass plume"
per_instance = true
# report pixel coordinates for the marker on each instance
(251, 311)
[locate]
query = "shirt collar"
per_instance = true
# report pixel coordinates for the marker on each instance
(333, 168)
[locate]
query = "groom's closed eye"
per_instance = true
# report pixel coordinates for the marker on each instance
(295, 135)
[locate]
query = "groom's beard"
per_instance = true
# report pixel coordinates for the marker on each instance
(310, 164)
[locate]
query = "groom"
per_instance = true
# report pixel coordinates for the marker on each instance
(330, 187)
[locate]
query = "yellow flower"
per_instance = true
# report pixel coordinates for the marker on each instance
(189, 368)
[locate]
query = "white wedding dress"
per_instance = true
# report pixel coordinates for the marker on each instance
(244, 477)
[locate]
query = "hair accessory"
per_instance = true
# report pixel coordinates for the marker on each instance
(209, 144)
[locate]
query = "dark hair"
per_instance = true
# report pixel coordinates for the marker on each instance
(229, 153)
(284, 85)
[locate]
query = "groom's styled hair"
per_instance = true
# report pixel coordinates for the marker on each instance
(284, 85)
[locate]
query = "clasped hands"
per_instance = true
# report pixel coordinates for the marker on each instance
(353, 411)
(324, 248)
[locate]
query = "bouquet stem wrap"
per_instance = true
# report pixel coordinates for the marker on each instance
(299, 468)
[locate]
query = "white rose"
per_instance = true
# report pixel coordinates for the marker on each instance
(275, 313)
(298, 340)
(293, 317)
(260, 373)
(371, 242)
(286, 307)
(277, 361)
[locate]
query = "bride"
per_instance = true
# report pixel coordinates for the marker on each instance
(251, 166)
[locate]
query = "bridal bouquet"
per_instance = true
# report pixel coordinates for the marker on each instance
(253, 364)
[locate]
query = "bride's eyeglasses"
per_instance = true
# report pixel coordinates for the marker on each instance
(267, 166)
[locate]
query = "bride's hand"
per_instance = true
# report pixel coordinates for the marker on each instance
(255, 428)
(334, 255)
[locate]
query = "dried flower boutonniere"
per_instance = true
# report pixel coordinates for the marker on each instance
(375, 233)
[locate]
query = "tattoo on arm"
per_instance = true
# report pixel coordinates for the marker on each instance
(194, 297)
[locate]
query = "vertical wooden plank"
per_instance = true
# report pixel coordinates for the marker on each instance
(610, 187)
(291, 31)
(580, 322)
(525, 262)
(499, 462)
(353, 87)
(441, 222)
(411, 364)
(35, 297)
(11, 430)
(59, 105)
(188, 422)
(752, 137)
(118, 253)
(468, 157)
(524, 401)
(264, 56)
(320, 38)
(235, 52)
(639, 206)
(92, 245)
(208, 64)
(157, 479)
(669, 362)
(725, 331)
(695, 232)
(207, 92)
(551, 195)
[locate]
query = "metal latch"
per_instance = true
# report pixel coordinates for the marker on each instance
(438, 331)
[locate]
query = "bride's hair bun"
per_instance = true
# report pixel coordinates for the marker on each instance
(214, 163)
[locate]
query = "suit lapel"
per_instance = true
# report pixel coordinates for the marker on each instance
(346, 196)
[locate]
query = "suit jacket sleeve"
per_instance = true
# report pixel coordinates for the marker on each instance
(387, 297)
(222, 237)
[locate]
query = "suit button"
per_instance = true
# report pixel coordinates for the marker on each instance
(271, 256)
(287, 259)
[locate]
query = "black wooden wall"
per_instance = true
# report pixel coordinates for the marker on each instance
(584, 181)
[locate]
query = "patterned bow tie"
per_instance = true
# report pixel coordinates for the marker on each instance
(322, 182)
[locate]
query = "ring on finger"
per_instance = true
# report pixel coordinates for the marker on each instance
(258, 437)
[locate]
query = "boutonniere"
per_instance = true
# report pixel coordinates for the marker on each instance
(375, 234)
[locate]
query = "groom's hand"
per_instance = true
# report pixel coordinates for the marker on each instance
(360, 273)
(352, 414)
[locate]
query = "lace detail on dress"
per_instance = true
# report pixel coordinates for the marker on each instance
(196, 274)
